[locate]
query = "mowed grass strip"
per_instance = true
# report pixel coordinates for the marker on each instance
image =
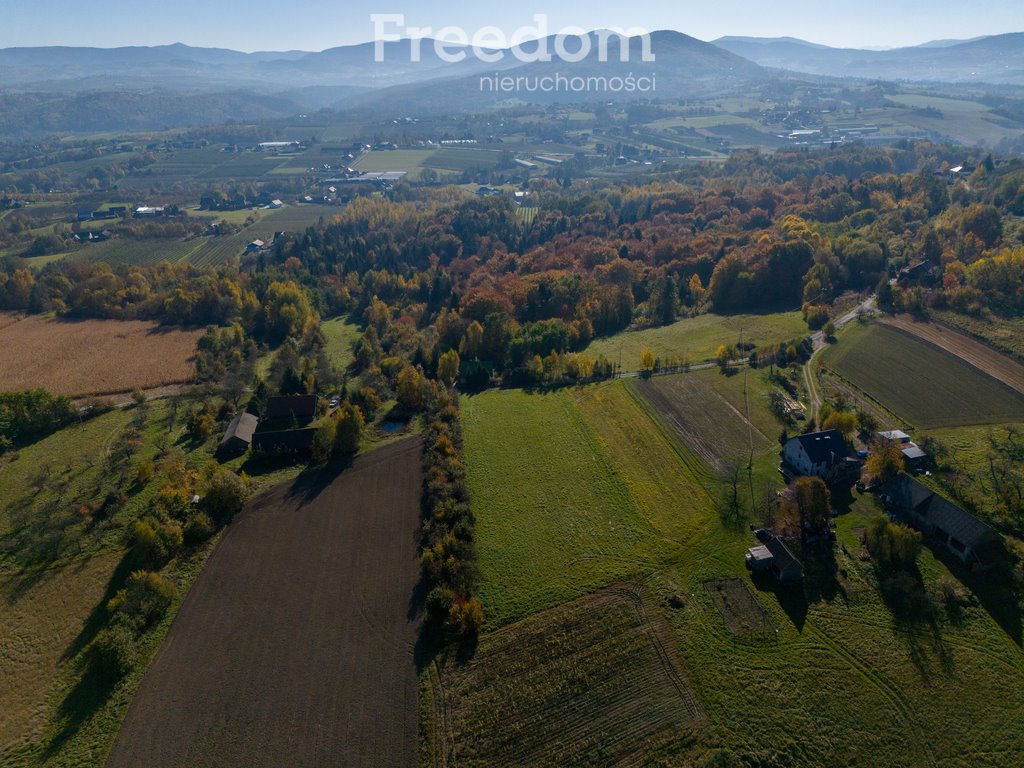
(662, 480)
(924, 385)
(698, 338)
(94, 357)
(587, 683)
(554, 518)
(716, 430)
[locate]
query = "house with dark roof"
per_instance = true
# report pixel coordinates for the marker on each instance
(284, 428)
(301, 408)
(238, 436)
(284, 442)
(773, 556)
(962, 533)
(818, 454)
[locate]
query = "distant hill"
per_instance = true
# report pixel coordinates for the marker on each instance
(684, 68)
(996, 59)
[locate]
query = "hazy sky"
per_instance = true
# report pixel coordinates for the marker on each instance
(249, 25)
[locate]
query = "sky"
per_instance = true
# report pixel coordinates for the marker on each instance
(313, 25)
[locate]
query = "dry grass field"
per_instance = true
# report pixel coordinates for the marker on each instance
(592, 682)
(41, 614)
(295, 646)
(79, 358)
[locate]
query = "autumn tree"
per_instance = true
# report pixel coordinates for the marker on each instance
(224, 494)
(885, 460)
(647, 360)
(410, 388)
(448, 367)
(349, 430)
(287, 310)
(842, 421)
(813, 502)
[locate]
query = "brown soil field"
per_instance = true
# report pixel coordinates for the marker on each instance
(972, 352)
(92, 357)
(295, 646)
(592, 682)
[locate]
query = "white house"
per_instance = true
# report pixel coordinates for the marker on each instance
(819, 454)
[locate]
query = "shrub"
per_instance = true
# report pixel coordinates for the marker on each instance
(224, 495)
(892, 544)
(198, 529)
(143, 601)
(114, 652)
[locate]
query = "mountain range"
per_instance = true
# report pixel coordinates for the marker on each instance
(157, 86)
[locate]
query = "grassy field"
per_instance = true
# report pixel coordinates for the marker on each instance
(919, 383)
(847, 679)
(1005, 334)
(298, 633)
(91, 357)
(554, 521)
(697, 338)
(716, 430)
(57, 569)
(462, 158)
(971, 351)
(341, 334)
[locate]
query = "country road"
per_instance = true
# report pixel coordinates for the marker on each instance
(866, 307)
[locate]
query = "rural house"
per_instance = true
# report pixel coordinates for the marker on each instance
(284, 428)
(821, 454)
(238, 436)
(773, 556)
(301, 408)
(913, 456)
(964, 535)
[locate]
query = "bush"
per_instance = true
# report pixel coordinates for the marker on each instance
(154, 543)
(114, 652)
(143, 601)
(198, 529)
(892, 544)
(224, 495)
(467, 616)
(439, 604)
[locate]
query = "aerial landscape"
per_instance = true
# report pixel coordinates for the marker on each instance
(443, 387)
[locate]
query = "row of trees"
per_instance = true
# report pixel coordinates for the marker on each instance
(449, 548)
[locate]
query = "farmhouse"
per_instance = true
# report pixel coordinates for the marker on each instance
(964, 535)
(821, 454)
(284, 428)
(254, 246)
(773, 556)
(913, 456)
(238, 437)
(301, 408)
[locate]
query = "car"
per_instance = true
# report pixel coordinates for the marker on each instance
(859, 486)
(334, 402)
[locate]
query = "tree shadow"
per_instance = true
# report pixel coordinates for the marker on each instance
(790, 597)
(98, 617)
(312, 481)
(89, 694)
(995, 597)
(915, 617)
(821, 582)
